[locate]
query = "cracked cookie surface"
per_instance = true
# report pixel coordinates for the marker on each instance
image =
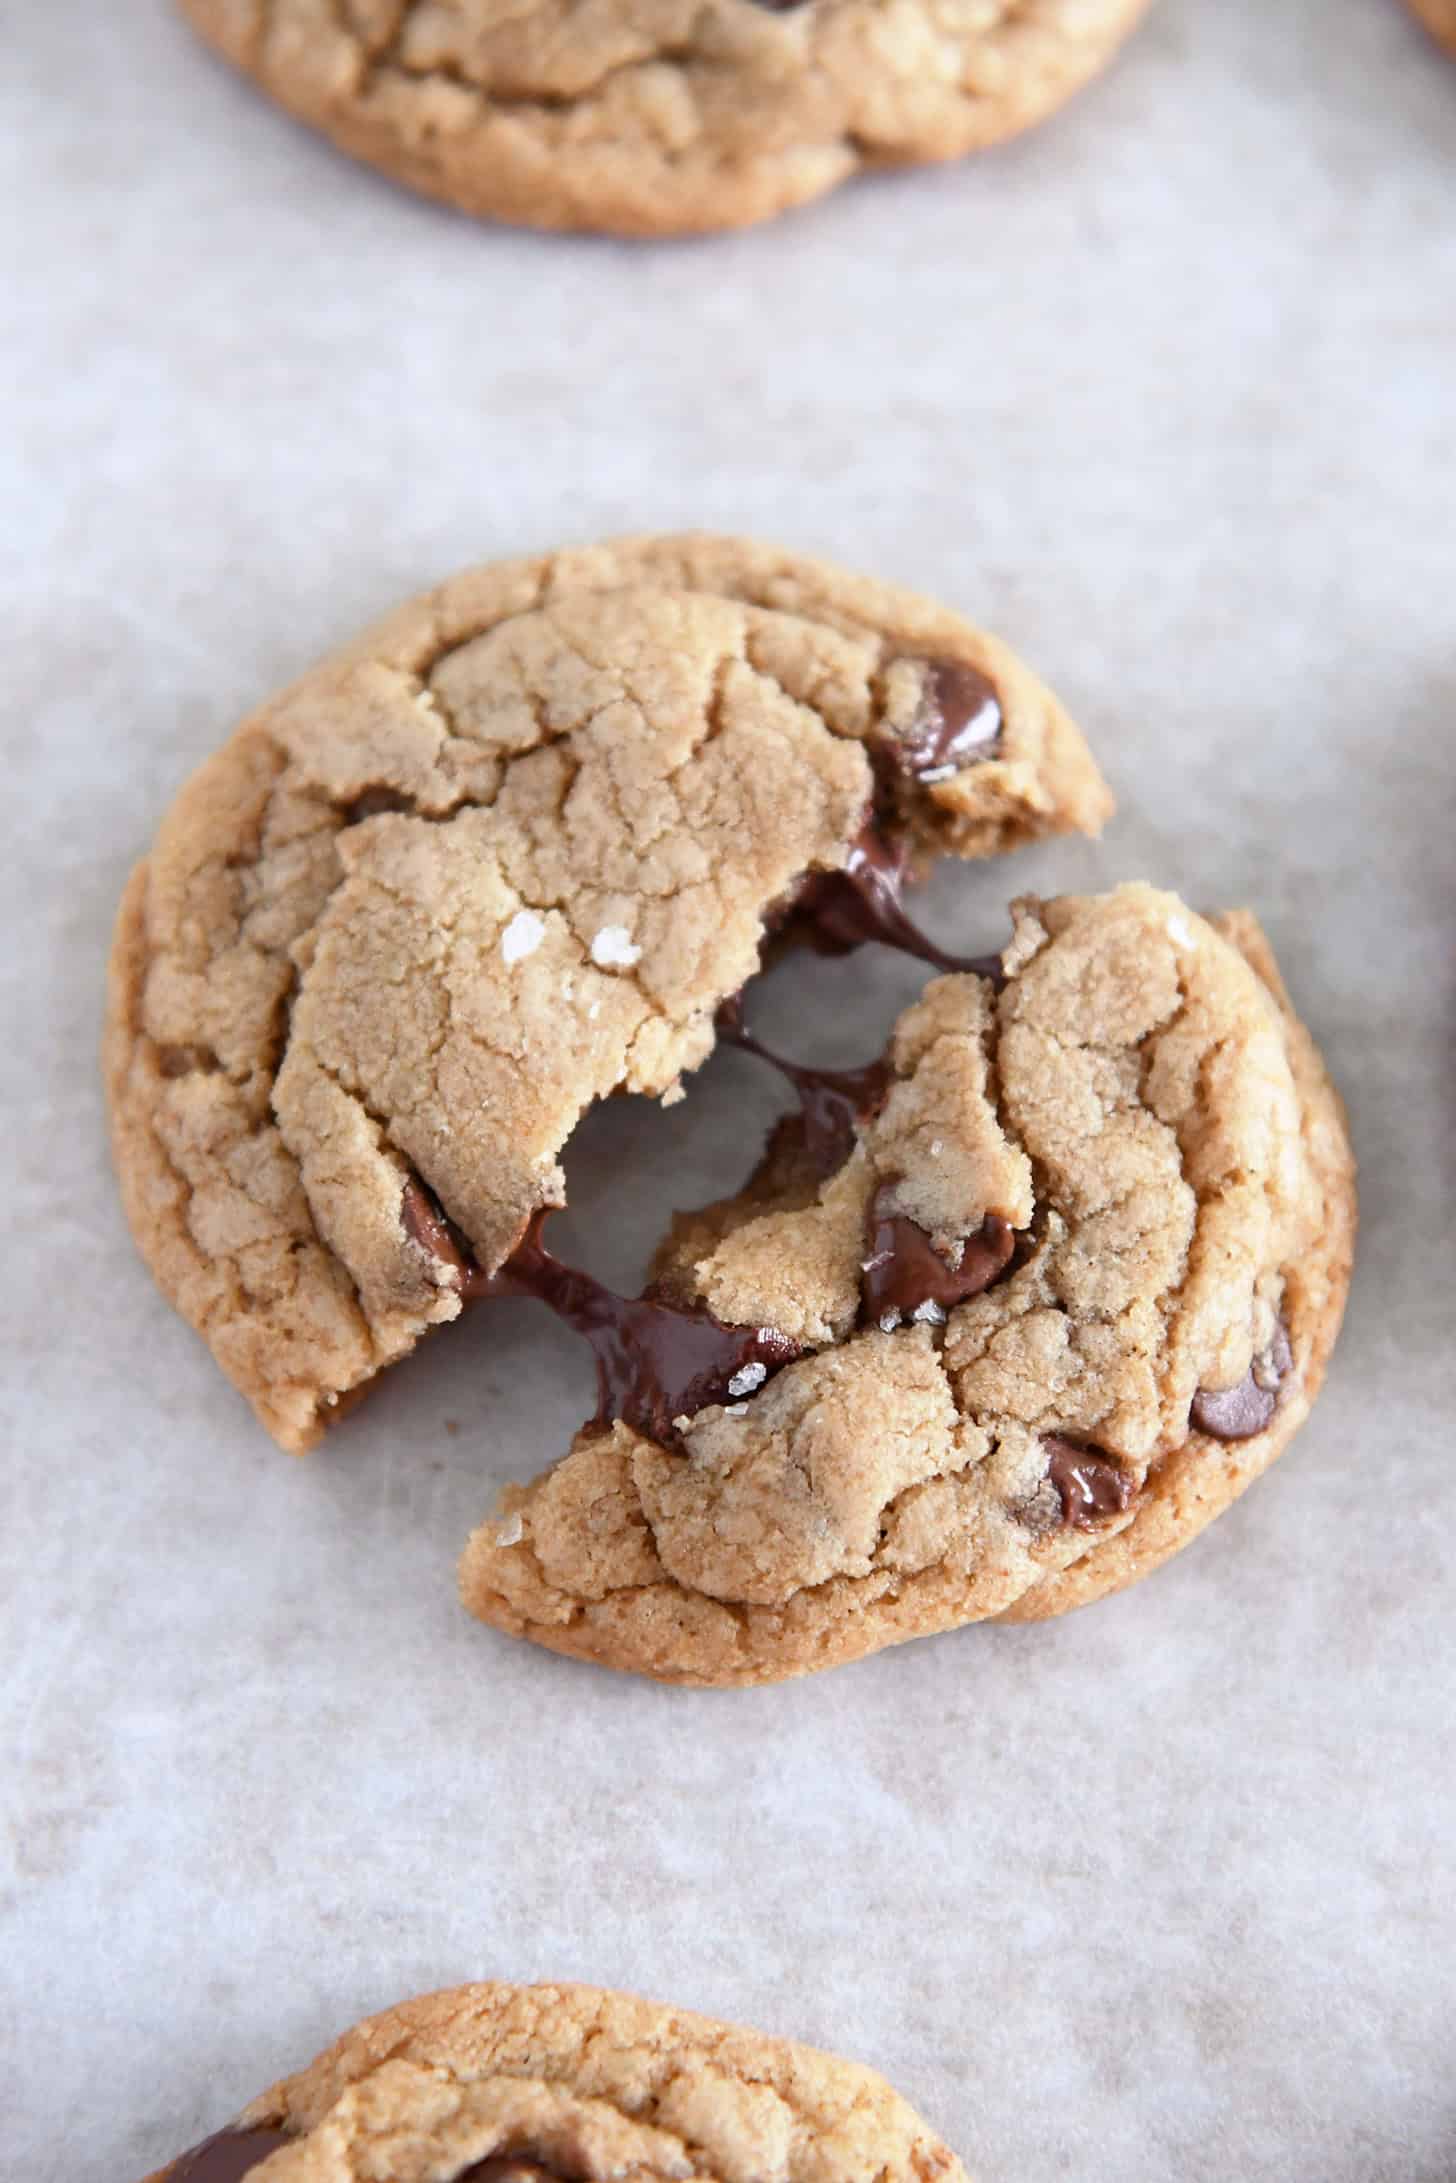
(664, 116)
(505, 855)
(569, 2084)
(1136, 1142)
(1439, 17)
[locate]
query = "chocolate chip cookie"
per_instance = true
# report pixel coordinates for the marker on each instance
(1439, 16)
(1061, 1272)
(666, 116)
(507, 854)
(568, 2084)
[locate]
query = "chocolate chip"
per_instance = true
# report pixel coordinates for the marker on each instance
(424, 1222)
(959, 722)
(904, 1275)
(833, 1102)
(656, 1362)
(1089, 1484)
(228, 2156)
(1238, 1413)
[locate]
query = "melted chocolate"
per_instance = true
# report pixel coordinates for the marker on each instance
(656, 1362)
(959, 722)
(228, 2156)
(1090, 1486)
(833, 1102)
(904, 1275)
(837, 912)
(1237, 1413)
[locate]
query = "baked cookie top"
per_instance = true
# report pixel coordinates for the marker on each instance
(660, 116)
(1064, 1277)
(568, 2084)
(503, 856)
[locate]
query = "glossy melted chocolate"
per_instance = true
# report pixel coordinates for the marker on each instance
(959, 723)
(656, 1362)
(836, 912)
(1090, 1486)
(904, 1275)
(833, 1102)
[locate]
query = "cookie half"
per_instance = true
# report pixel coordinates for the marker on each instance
(1439, 17)
(660, 117)
(508, 854)
(1063, 1269)
(568, 2084)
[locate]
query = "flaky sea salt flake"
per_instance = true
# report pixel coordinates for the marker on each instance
(614, 948)
(522, 936)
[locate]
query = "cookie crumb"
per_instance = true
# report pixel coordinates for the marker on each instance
(522, 936)
(613, 947)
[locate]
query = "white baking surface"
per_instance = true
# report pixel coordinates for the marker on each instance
(1166, 395)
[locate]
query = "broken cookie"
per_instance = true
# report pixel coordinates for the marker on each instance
(568, 2084)
(1063, 1272)
(982, 1330)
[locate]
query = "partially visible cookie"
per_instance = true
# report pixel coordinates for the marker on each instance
(505, 856)
(1439, 16)
(569, 2084)
(660, 117)
(1063, 1277)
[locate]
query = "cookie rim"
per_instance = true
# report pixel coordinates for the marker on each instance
(508, 187)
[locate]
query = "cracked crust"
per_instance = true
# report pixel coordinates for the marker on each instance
(593, 2086)
(667, 116)
(1439, 17)
(1140, 1105)
(499, 858)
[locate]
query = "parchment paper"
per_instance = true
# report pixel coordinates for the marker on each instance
(1166, 395)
